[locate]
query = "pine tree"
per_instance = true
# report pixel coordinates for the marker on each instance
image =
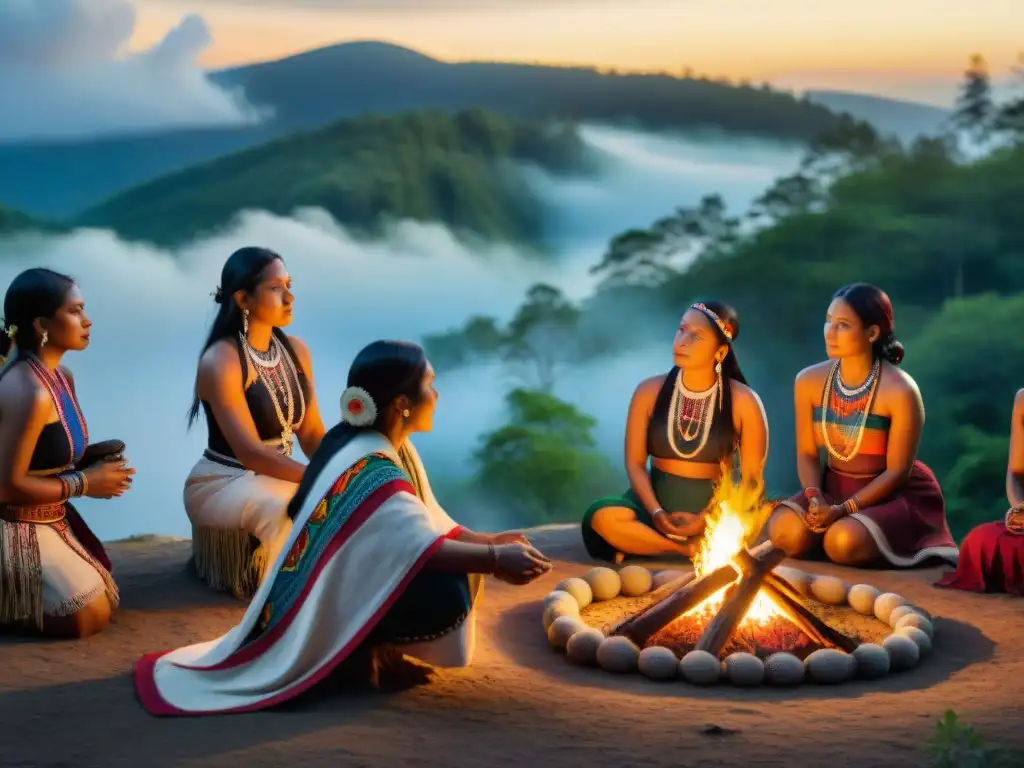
(974, 112)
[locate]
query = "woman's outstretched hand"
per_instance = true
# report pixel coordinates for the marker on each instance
(510, 537)
(518, 563)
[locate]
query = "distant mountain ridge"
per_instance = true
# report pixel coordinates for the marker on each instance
(904, 119)
(460, 169)
(314, 88)
(13, 221)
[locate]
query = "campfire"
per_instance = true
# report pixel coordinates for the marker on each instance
(734, 598)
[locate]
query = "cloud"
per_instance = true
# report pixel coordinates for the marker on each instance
(64, 73)
(152, 308)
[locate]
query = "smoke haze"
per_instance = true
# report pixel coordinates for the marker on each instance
(152, 308)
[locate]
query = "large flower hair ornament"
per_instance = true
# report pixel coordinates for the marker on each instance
(357, 407)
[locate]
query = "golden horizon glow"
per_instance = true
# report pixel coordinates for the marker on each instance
(792, 40)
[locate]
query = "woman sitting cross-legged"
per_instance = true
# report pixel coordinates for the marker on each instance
(992, 555)
(374, 568)
(874, 502)
(687, 424)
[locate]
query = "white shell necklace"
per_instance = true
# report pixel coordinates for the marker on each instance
(692, 414)
(276, 369)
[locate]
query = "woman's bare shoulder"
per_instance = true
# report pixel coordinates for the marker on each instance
(744, 395)
(813, 376)
(21, 390)
(649, 388)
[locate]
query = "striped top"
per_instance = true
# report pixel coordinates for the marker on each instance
(876, 430)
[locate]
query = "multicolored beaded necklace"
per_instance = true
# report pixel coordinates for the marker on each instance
(846, 402)
(65, 403)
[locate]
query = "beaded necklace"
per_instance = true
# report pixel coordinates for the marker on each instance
(59, 389)
(845, 402)
(692, 414)
(276, 369)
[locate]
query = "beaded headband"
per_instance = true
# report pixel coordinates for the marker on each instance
(711, 314)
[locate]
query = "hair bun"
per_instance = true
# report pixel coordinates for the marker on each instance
(218, 295)
(892, 350)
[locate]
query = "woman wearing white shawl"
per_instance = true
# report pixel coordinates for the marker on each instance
(372, 562)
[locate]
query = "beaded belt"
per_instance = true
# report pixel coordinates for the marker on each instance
(231, 461)
(44, 513)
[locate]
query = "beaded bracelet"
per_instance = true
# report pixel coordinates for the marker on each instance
(850, 506)
(74, 484)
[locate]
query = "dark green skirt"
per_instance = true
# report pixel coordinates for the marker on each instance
(432, 605)
(674, 494)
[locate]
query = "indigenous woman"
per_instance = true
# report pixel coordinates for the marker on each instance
(255, 387)
(689, 424)
(992, 555)
(373, 563)
(54, 574)
(873, 502)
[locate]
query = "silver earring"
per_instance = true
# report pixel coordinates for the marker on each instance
(46, 338)
(718, 373)
(405, 413)
(245, 321)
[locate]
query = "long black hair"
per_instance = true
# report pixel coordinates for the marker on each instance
(873, 307)
(243, 271)
(35, 293)
(386, 370)
(730, 365)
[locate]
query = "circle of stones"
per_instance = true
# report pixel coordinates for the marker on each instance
(910, 641)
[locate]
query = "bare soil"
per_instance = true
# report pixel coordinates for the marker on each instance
(73, 704)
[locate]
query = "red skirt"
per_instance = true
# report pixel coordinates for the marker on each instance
(908, 528)
(991, 560)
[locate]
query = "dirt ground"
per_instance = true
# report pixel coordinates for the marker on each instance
(73, 704)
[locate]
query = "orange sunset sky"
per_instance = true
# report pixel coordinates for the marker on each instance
(906, 48)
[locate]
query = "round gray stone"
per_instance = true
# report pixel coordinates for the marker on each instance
(784, 669)
(700, 668)
(658, 663)
(872, 661)
(903, 652)
(618, 654)
(563, 628)
(920, 638)
(582, 647)
(862, 598)
(830, 666)
(744, 669)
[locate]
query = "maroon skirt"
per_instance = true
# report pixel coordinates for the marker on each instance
(908, 528)
(991, 560)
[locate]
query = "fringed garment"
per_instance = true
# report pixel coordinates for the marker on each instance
(229, 507)
(239, 523)
(351, 573)
(991, 560)
(51, 564)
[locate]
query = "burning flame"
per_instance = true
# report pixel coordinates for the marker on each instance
(737, 517)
